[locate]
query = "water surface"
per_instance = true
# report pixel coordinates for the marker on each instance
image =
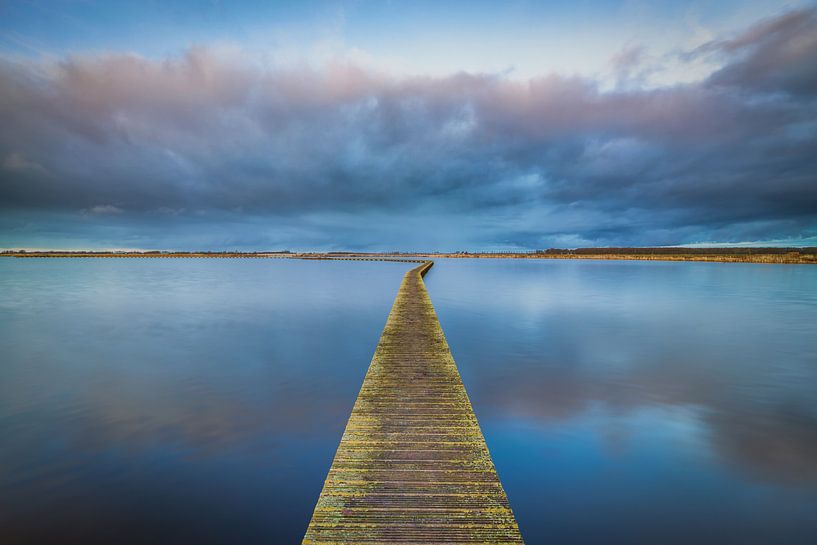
(177, 400)
(643, 402)
(172, 401)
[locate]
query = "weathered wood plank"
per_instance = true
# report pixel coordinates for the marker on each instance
(412, 466)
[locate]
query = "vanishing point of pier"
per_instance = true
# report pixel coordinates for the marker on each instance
(412, 466)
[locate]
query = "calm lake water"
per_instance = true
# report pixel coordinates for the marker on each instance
(172, 401)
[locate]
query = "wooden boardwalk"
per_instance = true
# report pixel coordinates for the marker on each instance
(412, 466)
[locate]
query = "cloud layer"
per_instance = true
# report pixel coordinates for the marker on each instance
(213, 149)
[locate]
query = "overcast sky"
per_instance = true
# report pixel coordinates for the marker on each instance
(407, 125)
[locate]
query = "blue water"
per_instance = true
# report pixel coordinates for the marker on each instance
(174, 401)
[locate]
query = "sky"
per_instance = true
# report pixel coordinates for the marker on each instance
(361, 125)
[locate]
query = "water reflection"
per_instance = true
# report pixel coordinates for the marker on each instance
(168, 401)
(633, 401)
(172, 401)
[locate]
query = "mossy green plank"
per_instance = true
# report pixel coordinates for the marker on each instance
(412, 466)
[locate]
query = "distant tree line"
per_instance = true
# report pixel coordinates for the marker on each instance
(678, 251)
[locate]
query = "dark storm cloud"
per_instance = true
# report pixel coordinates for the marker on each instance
(213, 133)
(777, 55)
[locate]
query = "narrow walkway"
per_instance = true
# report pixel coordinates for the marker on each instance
(412, 466)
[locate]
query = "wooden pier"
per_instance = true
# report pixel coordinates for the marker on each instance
(412, 466)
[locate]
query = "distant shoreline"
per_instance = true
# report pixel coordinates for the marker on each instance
(724, 255)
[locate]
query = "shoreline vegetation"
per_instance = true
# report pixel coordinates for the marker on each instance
(806, 255)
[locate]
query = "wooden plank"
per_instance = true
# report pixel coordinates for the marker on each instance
(412, 466)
